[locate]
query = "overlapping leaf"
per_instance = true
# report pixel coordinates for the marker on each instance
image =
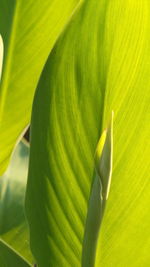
(14, 236)
(101, 63)
(29, 30)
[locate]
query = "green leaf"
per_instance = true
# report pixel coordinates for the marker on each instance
(100, 64)
(9, 257)
(14, 237)
(29, 30)
(98, 196)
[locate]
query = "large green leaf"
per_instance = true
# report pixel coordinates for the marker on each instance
(29, 30)
(14, 237)
(101, 63)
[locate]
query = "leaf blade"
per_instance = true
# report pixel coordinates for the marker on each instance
(107, 58)
(28, 37)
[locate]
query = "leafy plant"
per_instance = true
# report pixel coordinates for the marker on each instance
(95, 58)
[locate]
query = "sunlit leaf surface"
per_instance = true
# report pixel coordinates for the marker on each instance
(29, 30)
(100, 64)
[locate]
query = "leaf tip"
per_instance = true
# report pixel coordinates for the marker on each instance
(103, 158)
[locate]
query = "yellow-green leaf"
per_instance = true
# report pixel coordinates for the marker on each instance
(100, 64)
(29, 30)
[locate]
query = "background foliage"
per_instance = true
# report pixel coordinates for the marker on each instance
(14, 236)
